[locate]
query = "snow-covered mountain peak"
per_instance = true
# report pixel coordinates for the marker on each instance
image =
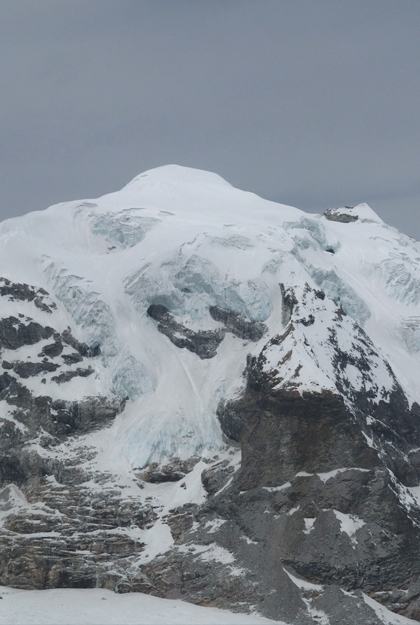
(146, 334)
(195, 195)
(178, 174)
(185, 240)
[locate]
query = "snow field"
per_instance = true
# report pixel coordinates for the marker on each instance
(72, 606)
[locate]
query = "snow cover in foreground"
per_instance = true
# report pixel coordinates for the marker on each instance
(95, 606)
(74, 606)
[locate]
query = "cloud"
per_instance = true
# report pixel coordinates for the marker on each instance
(312, 104)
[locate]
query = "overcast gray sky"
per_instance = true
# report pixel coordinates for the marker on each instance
(313, 103)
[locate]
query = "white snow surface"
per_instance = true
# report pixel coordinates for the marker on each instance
(102, 607)
(386, 616)
(302, 583)
(349, 524)
(187, 239)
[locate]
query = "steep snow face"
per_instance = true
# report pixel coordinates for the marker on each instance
(213, 258)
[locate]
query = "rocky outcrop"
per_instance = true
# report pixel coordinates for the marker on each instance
(216, 477)
(24, 292)
(71, 359)
(340, 216)
(69, 375)
(174, 471)
(204, 343)
(235, 323)
(89, 351)
(30, 369)
(70, 537)
(15, 334)
(53, 349)
(320, 492)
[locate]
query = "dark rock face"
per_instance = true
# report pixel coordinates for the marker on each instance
(58, 418)
(247, 330)
(205, 583)
(69, 375)
(24, 292)
(89, 351)
(314, 467)
(15, 334)
(289, 302)
(216, 477)
(299, 527)
(180, 521)
(30, 369)
(5, 381)
(53, 349)
(288, 434)
(91, 538)
(56, 532)
(174, 471)
(71, 359)
(203, 343)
